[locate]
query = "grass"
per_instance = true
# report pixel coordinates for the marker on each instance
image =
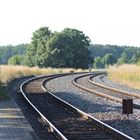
(8, 73)
(125, 74)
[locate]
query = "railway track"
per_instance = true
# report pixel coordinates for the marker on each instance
(86, 82)
(65, 121)
(91, 80)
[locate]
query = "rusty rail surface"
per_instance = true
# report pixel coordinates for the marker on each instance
(116, 99)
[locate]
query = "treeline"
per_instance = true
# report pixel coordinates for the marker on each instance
(104, 55)
(65, 49)
(68, 48)
(9, 51)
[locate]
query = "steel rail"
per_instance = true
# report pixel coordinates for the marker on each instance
(112, 131)
(94, 91)
(133, 95)
(113, 89)
(53, 129)
(101, 94)
(111, 97)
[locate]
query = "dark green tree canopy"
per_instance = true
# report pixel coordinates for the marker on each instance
(16, 60)
(69, 48)
(98, 62)
(37, 48)
(8, 51)
(109, 59)
(123, 59)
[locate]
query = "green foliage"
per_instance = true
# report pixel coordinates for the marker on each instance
(138, 63)
(124, 54)
(36, 53)
(109, 59)
(68, 48)
(16, 60)
(8, 51)
(134, 59)
(123, 59)
(98, 62)
(102, 50)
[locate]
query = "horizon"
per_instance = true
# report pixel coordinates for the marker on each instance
(91, 44)
(104, 22)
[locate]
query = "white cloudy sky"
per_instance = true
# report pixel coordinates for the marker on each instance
(104, 21)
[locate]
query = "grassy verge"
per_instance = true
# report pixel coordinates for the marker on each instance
(8, 73)
(125, 74)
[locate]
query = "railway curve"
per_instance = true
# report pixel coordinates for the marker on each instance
(63, 119)
(103, 91)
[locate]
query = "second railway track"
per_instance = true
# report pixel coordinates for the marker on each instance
(91, 80)
(86, 83)
(63, 119)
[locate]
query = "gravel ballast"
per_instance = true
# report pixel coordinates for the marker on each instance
(103, 79)
(30, 114)
(105, 110)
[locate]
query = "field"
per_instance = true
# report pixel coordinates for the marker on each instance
(125, 74)
(8, 73)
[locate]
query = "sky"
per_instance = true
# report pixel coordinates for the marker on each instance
(104, 21)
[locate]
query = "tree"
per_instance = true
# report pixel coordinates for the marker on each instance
(8, 51)
(123, 59)
(68, 48)
(98, 62)
(134, 59)
(16, 60)
(102, 50)
(137, 57)
(36, 51)
(109, 59)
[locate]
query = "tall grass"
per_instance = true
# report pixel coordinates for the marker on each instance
(8, 73)
(125, 74)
